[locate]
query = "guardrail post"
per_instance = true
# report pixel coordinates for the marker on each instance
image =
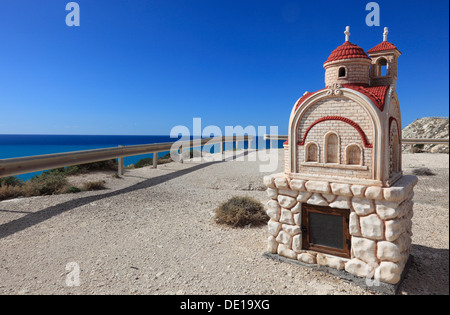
(120, 165)
(155, 159)
(181, 156)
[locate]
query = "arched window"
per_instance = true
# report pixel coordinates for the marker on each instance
(331, 148)
(382, 67)
(395, 152)
(354, 155)
(342, 72)
(312, 153)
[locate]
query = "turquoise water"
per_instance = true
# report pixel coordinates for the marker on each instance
(12, 146)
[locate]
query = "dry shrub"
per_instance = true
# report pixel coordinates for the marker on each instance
(10, 192)
(423, 171)
(45, 184)
(90, 186)
(241, 212)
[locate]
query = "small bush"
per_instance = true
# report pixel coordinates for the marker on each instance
(149, 161)
(73, 190)
(10, 181)
(143, 163)
(48, 183)
(10, 192)
(90, 186)
(109, 165)
(423, 171)
(165, 159)
(53, 182)
(240, 212)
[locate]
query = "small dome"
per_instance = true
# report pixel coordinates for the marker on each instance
(347, 51)
(382, 47)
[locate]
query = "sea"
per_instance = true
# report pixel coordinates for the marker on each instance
(12, 146)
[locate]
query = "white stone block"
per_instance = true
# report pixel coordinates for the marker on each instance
(372, 227)
(268, 181)
(297, 208)
(389, 272)
(317, 187)
(284, 251)
(354, 227)
(273, 209)
(288, 192)
(303, 196)
(291, 229)
(272, 245)
(298, 219)
(297, 243)
(281, 183)
(286, 217)
(341, 202)
(364, 249)
(388, 210)
(358, 190)
(363, 206)
(359, 268)
(317, 200)
(307, 258)
(394, 229)
(284, 238)
(395, 193)
(297, 184)
(341, 189)
(286, 201)
(274, 227)
(331, 261)
(404, 242)
(272, 193)
(329, 197)
(373, 192)
(387, 251)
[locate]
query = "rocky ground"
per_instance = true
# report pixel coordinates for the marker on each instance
(152, 232)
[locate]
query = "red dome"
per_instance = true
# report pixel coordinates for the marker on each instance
(382, 46)
(347, 51)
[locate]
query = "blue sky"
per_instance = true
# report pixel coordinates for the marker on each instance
(141, 67)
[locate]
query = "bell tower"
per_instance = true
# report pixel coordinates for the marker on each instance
(383, 70)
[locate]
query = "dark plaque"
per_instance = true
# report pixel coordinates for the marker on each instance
(326, 230)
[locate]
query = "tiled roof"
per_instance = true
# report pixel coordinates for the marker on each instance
(347, 51)
(304, 97)
(382, 46)
(377, 94)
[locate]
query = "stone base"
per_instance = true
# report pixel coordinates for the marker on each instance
(379, 224)
(380, 287)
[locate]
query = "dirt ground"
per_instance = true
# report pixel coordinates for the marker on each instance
(152, 232)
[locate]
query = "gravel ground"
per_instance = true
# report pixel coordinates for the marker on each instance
(152, 232)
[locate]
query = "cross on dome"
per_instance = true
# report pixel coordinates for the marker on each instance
(385, 34)
(347, 33)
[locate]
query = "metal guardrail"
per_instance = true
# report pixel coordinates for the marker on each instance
(270, 137)
(406, 141)
(24, 165)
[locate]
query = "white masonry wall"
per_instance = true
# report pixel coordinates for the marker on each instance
(380, 223)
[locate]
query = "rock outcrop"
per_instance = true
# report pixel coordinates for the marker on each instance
(428, 128)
